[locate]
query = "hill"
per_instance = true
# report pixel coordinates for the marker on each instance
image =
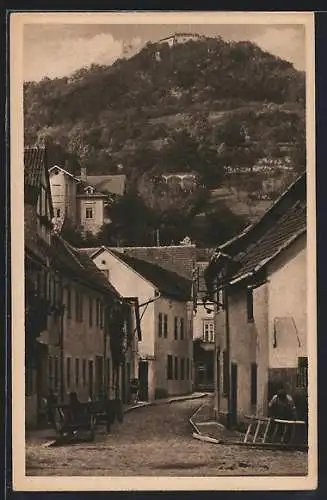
(198, 106)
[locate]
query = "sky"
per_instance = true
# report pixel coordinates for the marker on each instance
(57, 50)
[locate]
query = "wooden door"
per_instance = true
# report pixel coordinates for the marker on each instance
(143, 380)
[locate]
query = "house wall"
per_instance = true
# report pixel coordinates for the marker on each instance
(94, 224)
(260, 311)
(34, 230)
(284, 294)
(82, 341)
(288, 297)
(63, 191)
(199, 318)
(242, 348)
(151, 348)
(180, 349)
(129, 284)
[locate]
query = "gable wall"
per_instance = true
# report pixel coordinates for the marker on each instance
(130, 284)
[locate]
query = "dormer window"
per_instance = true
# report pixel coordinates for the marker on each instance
(89, 190)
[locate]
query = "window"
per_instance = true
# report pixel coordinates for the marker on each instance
(169, 367)
(160, 324)
(249, 305)
(208, 331)
(90, 311)
(58, 212)
(76, 372)
(188, 368)
(78, 306)
(69, 302)
(182, 368)
(176, 368)
(225, 373)
(182, 328)
(302, 373)
(56, 373)
(165, 326)
(89, 213)
(68, 371)
(84, 371)
(176, 328)
(254, 371)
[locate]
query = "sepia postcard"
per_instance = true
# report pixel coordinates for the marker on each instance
(163, 225)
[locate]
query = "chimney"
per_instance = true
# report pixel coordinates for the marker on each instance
(83, 174)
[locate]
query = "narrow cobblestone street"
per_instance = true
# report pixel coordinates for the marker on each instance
(157, 441)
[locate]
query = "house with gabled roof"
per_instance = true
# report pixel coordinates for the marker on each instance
(38, 214)
(84, 199)
(165, 309)
(68, 309)
(63, 190)
(83, 349)
(258, 281)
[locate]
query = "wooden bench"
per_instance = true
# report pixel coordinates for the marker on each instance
(70, 424)
(105, 411)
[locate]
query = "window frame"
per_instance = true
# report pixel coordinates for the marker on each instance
(165, 326)
(175, 328)
(68, 372)
(160, 324)
(182, 369)
(181, 328)
(170, 367)
(77, 372)
(89, 210)
(176, 371)
(84, 372)
(249, 305)
(69, 301)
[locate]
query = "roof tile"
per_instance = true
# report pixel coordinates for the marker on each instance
(34, 161)
(169, 283)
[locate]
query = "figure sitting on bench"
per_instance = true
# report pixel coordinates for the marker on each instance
(76, 413)
(282, 407)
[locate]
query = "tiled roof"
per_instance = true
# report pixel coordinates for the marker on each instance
(296, 191)
(82, 185)
(79, 265)
(291, 225)
(113, 184)
(284, 222)
(34, 161)
(175, 258)
(168, 283)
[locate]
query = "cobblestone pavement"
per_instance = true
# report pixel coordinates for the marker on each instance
(157, 441)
